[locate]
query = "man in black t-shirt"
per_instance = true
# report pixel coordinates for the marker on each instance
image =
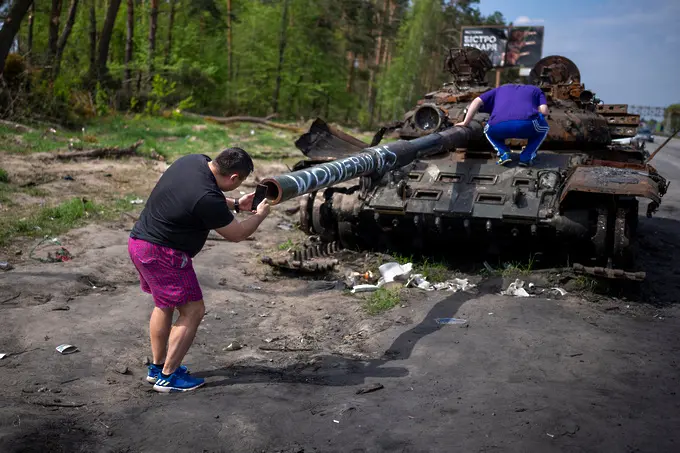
(185, 205)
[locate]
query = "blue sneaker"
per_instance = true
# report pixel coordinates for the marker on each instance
(504, 159)
(155, 372)
(177, 382)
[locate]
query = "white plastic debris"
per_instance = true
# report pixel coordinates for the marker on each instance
(3, 355)
(364, 288)
(66, 349)
(394, 271)
(286, 226)
(419, 281)
(137, 201)
(559, 290)
(458, 321)
(455, 284)
(516, 288)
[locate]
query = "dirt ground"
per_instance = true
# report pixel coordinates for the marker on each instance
(583, 373)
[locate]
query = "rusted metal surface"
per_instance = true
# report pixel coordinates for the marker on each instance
(604, 272)
(324, 141)
(613, 181)
(310, 266)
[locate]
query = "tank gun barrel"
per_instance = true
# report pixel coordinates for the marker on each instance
(373, 160)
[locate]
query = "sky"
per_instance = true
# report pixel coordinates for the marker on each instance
(628, 51)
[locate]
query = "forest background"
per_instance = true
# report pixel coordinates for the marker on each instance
(355, 62)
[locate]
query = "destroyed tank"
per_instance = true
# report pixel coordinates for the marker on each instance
(438, 189)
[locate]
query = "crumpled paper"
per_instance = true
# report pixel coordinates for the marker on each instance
(455, 284)
(516, 288)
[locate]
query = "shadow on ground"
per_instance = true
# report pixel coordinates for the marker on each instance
(334, 370)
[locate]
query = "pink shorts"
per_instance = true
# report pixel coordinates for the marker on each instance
(167, 274)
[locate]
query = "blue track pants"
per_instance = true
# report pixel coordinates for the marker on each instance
(534, 131)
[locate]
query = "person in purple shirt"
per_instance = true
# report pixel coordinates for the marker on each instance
(516, 111)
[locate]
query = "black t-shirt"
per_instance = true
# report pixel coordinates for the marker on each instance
(183, 207)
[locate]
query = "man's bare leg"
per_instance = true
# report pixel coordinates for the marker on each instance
(159, 331)
(182, 334)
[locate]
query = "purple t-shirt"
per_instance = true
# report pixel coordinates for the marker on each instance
(512, 102)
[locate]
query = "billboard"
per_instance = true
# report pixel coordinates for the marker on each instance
(489, 39)
(506, 46)
(524, 47)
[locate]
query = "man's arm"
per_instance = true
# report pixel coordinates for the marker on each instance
(238, 231)
(472, 110)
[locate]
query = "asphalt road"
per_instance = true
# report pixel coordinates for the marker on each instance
(667, 162)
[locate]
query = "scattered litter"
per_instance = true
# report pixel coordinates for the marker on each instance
(66, 349)
(286, 226)
(455, 284)
(257, 288)
(354, 278)
(490, 313)
(336, 421)
(370, 388)
(68, 178)
(233, 346)
(578, 354)
(419, 281)
(137, 201)
(516, 288)
(252, 132)
(488, 267)
(561, 291)
(60, 255)
(3, 355)
(450, 321)
(5, 266)
(364, 288)
(265, 347)
(550, 435)
(394, 272)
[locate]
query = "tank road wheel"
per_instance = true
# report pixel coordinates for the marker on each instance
(306, 203)
(321, 224)
(599, 239)
(624, 232)
(613, 235)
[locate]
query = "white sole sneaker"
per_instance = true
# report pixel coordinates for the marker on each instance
(162, 389)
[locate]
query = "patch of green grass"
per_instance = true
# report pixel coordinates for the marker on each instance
(517, 268)
(586, 283)
(4, 177)
(49, 221)
(286, 245)
(6, 190)
(382, 300)
(169, 137)
(434, 272)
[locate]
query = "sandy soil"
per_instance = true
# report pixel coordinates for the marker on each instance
(583, 373)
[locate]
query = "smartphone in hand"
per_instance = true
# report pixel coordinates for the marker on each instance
(260, 194)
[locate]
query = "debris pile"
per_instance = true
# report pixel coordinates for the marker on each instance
(517, 288)
(393, 274)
